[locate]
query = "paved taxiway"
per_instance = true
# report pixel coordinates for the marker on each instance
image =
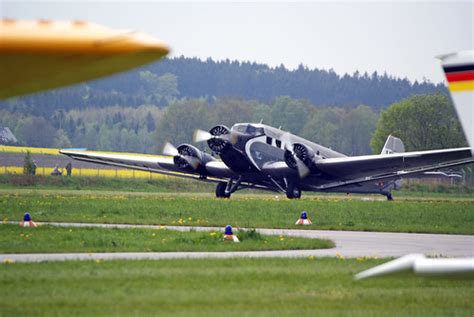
(349, 244)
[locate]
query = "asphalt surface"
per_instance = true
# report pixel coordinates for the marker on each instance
(349, 244)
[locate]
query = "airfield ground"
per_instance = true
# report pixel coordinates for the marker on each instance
(234, 287)
(433, 215)
(306, 286)
(49, 239)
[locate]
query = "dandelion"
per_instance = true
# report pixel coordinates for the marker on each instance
(98, 261)
(8, 261)
(311, 257)
(213, 233)
(153, 234)
(340, 256)
(282, 238)
(70, 230)
(190, 218)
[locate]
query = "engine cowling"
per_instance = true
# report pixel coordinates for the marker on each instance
(191, 158)
(302, 152)
(217, 145)
(188, 151)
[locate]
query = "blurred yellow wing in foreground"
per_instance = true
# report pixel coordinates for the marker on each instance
(39, 55)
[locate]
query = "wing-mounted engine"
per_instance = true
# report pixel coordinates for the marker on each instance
(300, 157)
(219, 141)
(188, 157)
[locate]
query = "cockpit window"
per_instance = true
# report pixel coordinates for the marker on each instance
(249, 129)
(241, 128)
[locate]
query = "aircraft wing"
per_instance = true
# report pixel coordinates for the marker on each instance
(369, 165)
(44, 54)
(361, 169)
(214, 171)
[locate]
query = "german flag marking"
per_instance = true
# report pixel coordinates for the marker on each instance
(460, 76)
(458, 68)
(461, 85)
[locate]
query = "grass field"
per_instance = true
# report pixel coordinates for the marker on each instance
(252, 211)
(157, 183)
(234, 287)
(48, 239)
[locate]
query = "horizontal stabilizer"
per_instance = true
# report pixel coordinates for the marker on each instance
(393, 145)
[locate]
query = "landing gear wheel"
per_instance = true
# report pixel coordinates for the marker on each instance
(220, 190)
(389, 197)
(293, 192)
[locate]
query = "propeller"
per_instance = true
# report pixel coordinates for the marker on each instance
(171, 150)
(201, 136)
(301, 167)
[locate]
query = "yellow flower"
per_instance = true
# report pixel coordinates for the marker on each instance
(213, 233)
(311, 257)
(190, 218)
(340, 256)
(8, 261)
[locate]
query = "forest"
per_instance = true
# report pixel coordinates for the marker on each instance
(177, 78)
(141, 110)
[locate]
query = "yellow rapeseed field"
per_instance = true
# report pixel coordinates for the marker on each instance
(90, 172)
(50, 151)
(23, 149)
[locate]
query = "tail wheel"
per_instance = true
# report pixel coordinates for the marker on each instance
(220, 190)
(293, 191)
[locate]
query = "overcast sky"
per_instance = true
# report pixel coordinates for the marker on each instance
(400, 38)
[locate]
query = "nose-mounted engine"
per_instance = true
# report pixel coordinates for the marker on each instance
(219, 141)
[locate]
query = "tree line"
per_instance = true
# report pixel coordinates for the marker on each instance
(164, 82)
(422, 122)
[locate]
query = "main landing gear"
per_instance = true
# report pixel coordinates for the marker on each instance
(293, 191)
(220, 191)
(224, 190)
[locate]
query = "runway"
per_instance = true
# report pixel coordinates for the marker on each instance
(349, 244)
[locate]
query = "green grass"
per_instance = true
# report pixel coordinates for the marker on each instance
(176, 184)
(14, 239)
(172, 184)
(232, 287)
(266, 211)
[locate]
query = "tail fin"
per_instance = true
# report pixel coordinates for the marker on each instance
(393, 145)
(459, 70)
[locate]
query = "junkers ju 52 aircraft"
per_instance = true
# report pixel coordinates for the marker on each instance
(255, 155)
